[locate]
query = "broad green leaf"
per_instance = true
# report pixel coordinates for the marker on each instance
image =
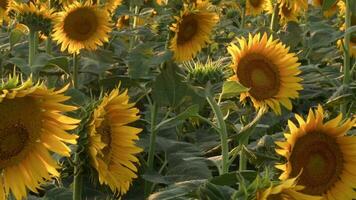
(181, 190)
(15, 37)
(232, 89)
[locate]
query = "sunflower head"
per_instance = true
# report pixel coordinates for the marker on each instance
(286, 190)
(192, 31)
(327, 13)
(199, 74)
(38, 17)
(288, 12)
(112, 147)
(32, 125)
(266, 67)
(81, 26)
(111, 5)
(322, 153)
(255, 7)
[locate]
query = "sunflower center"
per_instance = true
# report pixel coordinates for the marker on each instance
(255, 3)
(81, 24)
(20, 128)
(260, 75)
(286, 10)
(13, 139)
(320, 159)
(187, 29)
(105, 132)
(4, 4)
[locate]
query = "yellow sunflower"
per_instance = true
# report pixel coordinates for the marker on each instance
(192, 31)
(265, 66)
(288, 10)
(124, 21)
(32, 125)
(4, 5)
(286, 190)
(322, 153)
(82, 26)
(328, 13)
(255, 7)
(352, 47)
(112, 145)
(111, 5)
(37, 17)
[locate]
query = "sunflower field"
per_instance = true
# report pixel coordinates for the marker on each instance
(178, 99)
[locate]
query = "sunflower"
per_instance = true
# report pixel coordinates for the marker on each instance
(32, 125)
(81, 26)
(124, 21)
(322, 153)
(111, 5)
(327, 13)
(286, 190)
(192, 31)
(255, 7)
(288, 11)
(265, 66)
(352, 47)
(112, 146)
(37, 17)
(4, 5)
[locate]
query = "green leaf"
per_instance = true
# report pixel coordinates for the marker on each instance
(180, 190)
(327, 4)
(58, 193)
(232, 89)
(189, 112)
(169, 89)
(15, 37)
(61, 62)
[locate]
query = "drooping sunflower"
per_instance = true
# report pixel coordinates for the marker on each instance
(255, 7)
(288, 11)
(111, 5)
(286, 190)
(352, 46)
(81, 26)
(327, 13)
(192, 31)
(37, 17)
(32, 125)
(322, 153)
(266, 67)
(112, 145)
(4, 5)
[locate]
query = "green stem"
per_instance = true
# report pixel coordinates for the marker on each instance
(152, 147)
(32, 47)
(78, 179)
(347, 58)
(223, 133)
(274, 17)
(243, 157)
(243, 17)
(49, 44)
(75, 71)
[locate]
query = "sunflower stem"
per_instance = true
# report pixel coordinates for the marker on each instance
(243, 17)
(274, 17)
(49, 44)
(78, 179)
(152, 147)
(32, 47)
(75, 71)
(243, 157)
(223, 133)
(347, 58)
